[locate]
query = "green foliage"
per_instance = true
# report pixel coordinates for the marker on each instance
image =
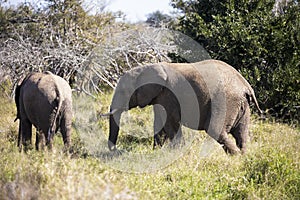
(257, 40)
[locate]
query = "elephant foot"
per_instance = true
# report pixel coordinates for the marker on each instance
(159, 140)
(177, 142)
(228, 145)
(231, 151)
(243, 150)
(112, 146)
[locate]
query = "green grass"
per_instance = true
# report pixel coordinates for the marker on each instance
(270, 169)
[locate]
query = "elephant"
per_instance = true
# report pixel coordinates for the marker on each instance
(208, 95)
(45, 101)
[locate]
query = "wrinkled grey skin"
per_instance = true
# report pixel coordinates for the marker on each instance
(45, 101)
(208, 95)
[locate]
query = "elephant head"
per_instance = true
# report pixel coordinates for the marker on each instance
(136, 88)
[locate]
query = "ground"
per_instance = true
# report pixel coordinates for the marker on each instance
(200, 170)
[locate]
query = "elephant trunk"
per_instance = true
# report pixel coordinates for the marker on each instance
(114, 121)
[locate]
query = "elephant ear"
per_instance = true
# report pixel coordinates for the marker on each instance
(19, 84)
(150, 83)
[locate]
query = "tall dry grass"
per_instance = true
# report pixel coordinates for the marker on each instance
(200, 170)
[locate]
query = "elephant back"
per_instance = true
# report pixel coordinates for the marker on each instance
(42, 96)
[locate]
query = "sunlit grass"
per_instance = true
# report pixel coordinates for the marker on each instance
(201, 170)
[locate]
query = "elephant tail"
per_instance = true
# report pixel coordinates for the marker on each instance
(256, 104)
(251, 98)
(56, 112)
(17, 97)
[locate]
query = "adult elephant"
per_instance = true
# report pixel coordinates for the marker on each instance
(209, 95)
(45, 101)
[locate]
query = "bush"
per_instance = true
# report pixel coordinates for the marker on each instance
(256, 38)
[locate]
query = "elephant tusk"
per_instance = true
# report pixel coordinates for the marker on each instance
(109, 113)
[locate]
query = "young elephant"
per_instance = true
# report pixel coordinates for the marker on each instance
(45, 101)
(208, 95)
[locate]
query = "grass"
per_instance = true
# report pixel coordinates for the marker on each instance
(200, 170)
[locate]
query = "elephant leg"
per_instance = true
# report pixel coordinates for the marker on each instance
(159, 122)
(220, 134)
(159, 139)
(177, 139)
(40, 140)
(167, 126)
(174, 131)
(228, 145)
(20, 136)
(49, 143)
(167, 119)
(241, 131)
(173, 127)
(26, 133)
(37, 139)
(65, 128)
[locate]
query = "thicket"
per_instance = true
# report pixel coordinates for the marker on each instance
(84, 44)
(260, 38)
(91, 47)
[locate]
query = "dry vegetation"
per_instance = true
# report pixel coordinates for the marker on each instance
(270, 170)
